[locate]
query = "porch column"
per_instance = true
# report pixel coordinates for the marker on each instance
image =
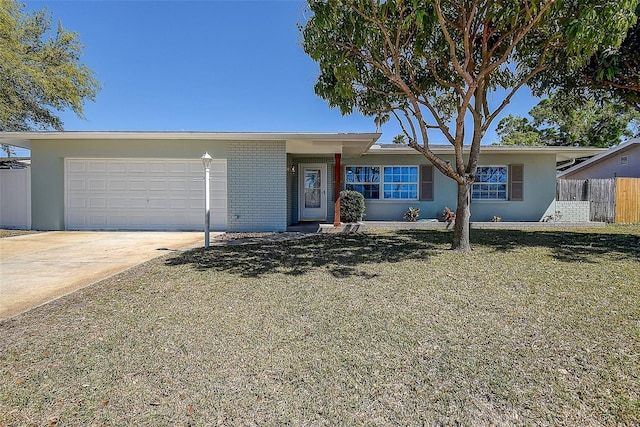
(336, 191)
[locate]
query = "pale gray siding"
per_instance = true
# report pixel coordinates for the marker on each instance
(256, 185)
(539, 189)
(612, 166)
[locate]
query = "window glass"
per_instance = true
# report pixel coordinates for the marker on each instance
(364, 180)
(363, 173)
(383, 182)
(491, 183)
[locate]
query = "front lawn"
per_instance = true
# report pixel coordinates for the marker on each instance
(388, 328)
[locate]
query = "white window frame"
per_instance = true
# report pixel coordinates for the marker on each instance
(382, 182)
(480, 183)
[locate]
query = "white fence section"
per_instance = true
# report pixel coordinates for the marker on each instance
(15, 198)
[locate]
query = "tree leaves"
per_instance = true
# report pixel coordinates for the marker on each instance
(567, 120)
(39, 75)
(437, 65)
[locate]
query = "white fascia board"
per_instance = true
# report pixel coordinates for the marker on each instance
(562, 153)
(330, 140)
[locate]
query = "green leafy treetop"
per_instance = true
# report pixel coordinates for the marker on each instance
(40, 75)
(617, 70)
(436, 64)
(592, 119)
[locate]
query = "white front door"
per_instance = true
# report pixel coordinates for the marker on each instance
(313, 192)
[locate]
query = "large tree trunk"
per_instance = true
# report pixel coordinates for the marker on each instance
(461, 239)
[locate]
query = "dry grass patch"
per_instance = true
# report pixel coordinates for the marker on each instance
(12, 233)
(535, 328)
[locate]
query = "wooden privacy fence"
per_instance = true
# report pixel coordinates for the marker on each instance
(610, 200)
(627, 200)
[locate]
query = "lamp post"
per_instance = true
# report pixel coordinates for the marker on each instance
(206, 162)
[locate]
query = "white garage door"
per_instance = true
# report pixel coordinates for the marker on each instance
(141, 194)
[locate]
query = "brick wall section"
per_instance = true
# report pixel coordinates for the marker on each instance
(257, 186)
(573, 211)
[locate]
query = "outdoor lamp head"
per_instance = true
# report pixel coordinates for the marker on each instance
(206, 160)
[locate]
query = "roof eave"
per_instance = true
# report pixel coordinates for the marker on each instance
(601, 156)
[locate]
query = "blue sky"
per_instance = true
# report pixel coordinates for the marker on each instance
(205, 66)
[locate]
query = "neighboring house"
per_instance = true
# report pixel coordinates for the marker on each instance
(264, 181)
(621, 161)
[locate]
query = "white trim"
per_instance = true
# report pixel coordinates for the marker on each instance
(305, 142)
(561, 153)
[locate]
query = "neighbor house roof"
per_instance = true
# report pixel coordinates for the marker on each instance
(618, 149)
(297, 142)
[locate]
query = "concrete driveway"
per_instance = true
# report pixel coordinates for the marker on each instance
(37, 268)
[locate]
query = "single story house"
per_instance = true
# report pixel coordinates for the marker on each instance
(621, 161)
(264, 181)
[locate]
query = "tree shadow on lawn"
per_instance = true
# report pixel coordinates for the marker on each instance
(566, 246)
(341, 254)
(348, 254)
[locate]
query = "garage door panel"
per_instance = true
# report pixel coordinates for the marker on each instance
(77, 167)
(77, 203)
(142, 194)
(157, 202)
(77, 184)
(97, 202)
(157, 168)
(157, 185)
(117, 185)
(178, 185)
(97, 166)
(180, 168)
(138, 185)
(117, 167)
(136, 167)
(119, 221)
(138, 202)
(118, 203)
(97, 184)
(97, 220)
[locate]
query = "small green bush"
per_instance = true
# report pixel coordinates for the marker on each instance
(351, 206)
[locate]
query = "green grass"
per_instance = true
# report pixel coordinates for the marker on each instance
(389, 328)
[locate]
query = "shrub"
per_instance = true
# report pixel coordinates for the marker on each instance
(412, 214)
(351, 206)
